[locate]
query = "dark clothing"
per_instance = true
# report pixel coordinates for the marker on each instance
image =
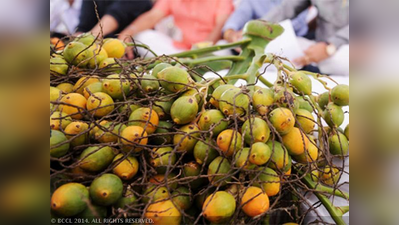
(124, 11)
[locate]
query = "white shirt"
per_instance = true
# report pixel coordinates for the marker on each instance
(64, 18)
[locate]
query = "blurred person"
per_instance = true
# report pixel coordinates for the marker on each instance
(330, 50)
(255, 9)
(198, 21)
(115, 15)
(64, 16)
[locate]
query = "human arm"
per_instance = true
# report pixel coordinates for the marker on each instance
(216, 33)
(300, 23)
(108, 23)
(87, 18)
(318, 52)
(146, 21)
(120, 14)
(242, 14)
(232, 29)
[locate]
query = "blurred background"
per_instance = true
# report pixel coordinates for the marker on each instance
(375, 110)
(24, 160)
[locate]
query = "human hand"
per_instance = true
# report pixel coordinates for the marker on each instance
(77, 33)
(127, 33)
(315, 53)
(231, 35)
(126, 36)
(129, 52)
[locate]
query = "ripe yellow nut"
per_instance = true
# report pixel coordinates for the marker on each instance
(132, 135)
(219, 207)
(296, 141)
(254, 206)
(127, 168)
(114, 48)
(164, 212)
(282, 120)
(100, 104)
(75, 104)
